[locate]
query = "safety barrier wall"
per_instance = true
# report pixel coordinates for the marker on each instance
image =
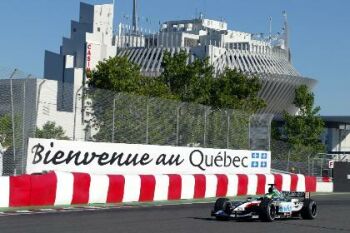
(61, 188)
(326, 187)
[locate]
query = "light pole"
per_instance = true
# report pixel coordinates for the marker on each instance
(75, 111)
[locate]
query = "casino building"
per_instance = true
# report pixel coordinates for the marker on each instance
(94, 39)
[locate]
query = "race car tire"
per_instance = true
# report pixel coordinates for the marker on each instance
(219, 204)
(309, 210)
(267, 210)
(223, 204)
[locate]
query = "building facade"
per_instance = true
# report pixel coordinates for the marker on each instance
(93, 39)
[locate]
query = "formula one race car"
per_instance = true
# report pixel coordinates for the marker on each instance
(267, 208)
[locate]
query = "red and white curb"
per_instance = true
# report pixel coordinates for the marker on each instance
(58, 210)
(61, 188)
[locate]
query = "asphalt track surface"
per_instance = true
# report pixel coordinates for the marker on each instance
(333, 216)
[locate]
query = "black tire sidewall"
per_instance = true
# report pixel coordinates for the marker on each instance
(265, 210)
(306, 211)
(220, 204)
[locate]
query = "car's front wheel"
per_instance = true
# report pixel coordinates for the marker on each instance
(267, 210)
(223, 204)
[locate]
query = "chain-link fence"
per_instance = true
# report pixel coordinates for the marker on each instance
(17, 121)
(300, 160)
(32, 107)
(128, 118)
(285, 159)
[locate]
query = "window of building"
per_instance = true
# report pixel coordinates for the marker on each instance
(191, 42)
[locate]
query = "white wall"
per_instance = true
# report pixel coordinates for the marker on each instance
(48, 107)
(333, 140)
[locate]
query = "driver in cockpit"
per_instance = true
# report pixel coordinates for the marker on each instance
(273, 192)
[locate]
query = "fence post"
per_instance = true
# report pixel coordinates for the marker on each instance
(228, 130)
(177, 124)
(322, 162)
(249, 135)
(23, 124)
(308, 164)
(13, 122)
(288, 160)
(113, 120)
(147, 121)
(205, 127)
(269, 132)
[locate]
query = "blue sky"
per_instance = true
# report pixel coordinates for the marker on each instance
(320, 33)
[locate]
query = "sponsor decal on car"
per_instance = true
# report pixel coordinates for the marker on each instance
(285, 207)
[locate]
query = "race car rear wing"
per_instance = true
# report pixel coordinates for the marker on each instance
(304, 195)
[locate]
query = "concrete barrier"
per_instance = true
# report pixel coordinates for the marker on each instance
(62, 188)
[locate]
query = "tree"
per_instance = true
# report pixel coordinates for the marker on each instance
(51, 131)
(196, 82)
(234, 90)
(6, 131)
(116, 74)
(303, 131)
(6, 145)
(189, 82)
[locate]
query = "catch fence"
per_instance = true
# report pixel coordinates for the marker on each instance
(31, 107)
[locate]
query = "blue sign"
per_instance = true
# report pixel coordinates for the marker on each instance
(255, 164)
(259, 160)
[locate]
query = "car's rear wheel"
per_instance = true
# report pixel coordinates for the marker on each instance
(309, 210)
(267, 210)
(223, 204)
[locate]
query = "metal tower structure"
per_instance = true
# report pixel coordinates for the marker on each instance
(134, 17)
(286, 35)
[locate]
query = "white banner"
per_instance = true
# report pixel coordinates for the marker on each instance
(128, 159)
